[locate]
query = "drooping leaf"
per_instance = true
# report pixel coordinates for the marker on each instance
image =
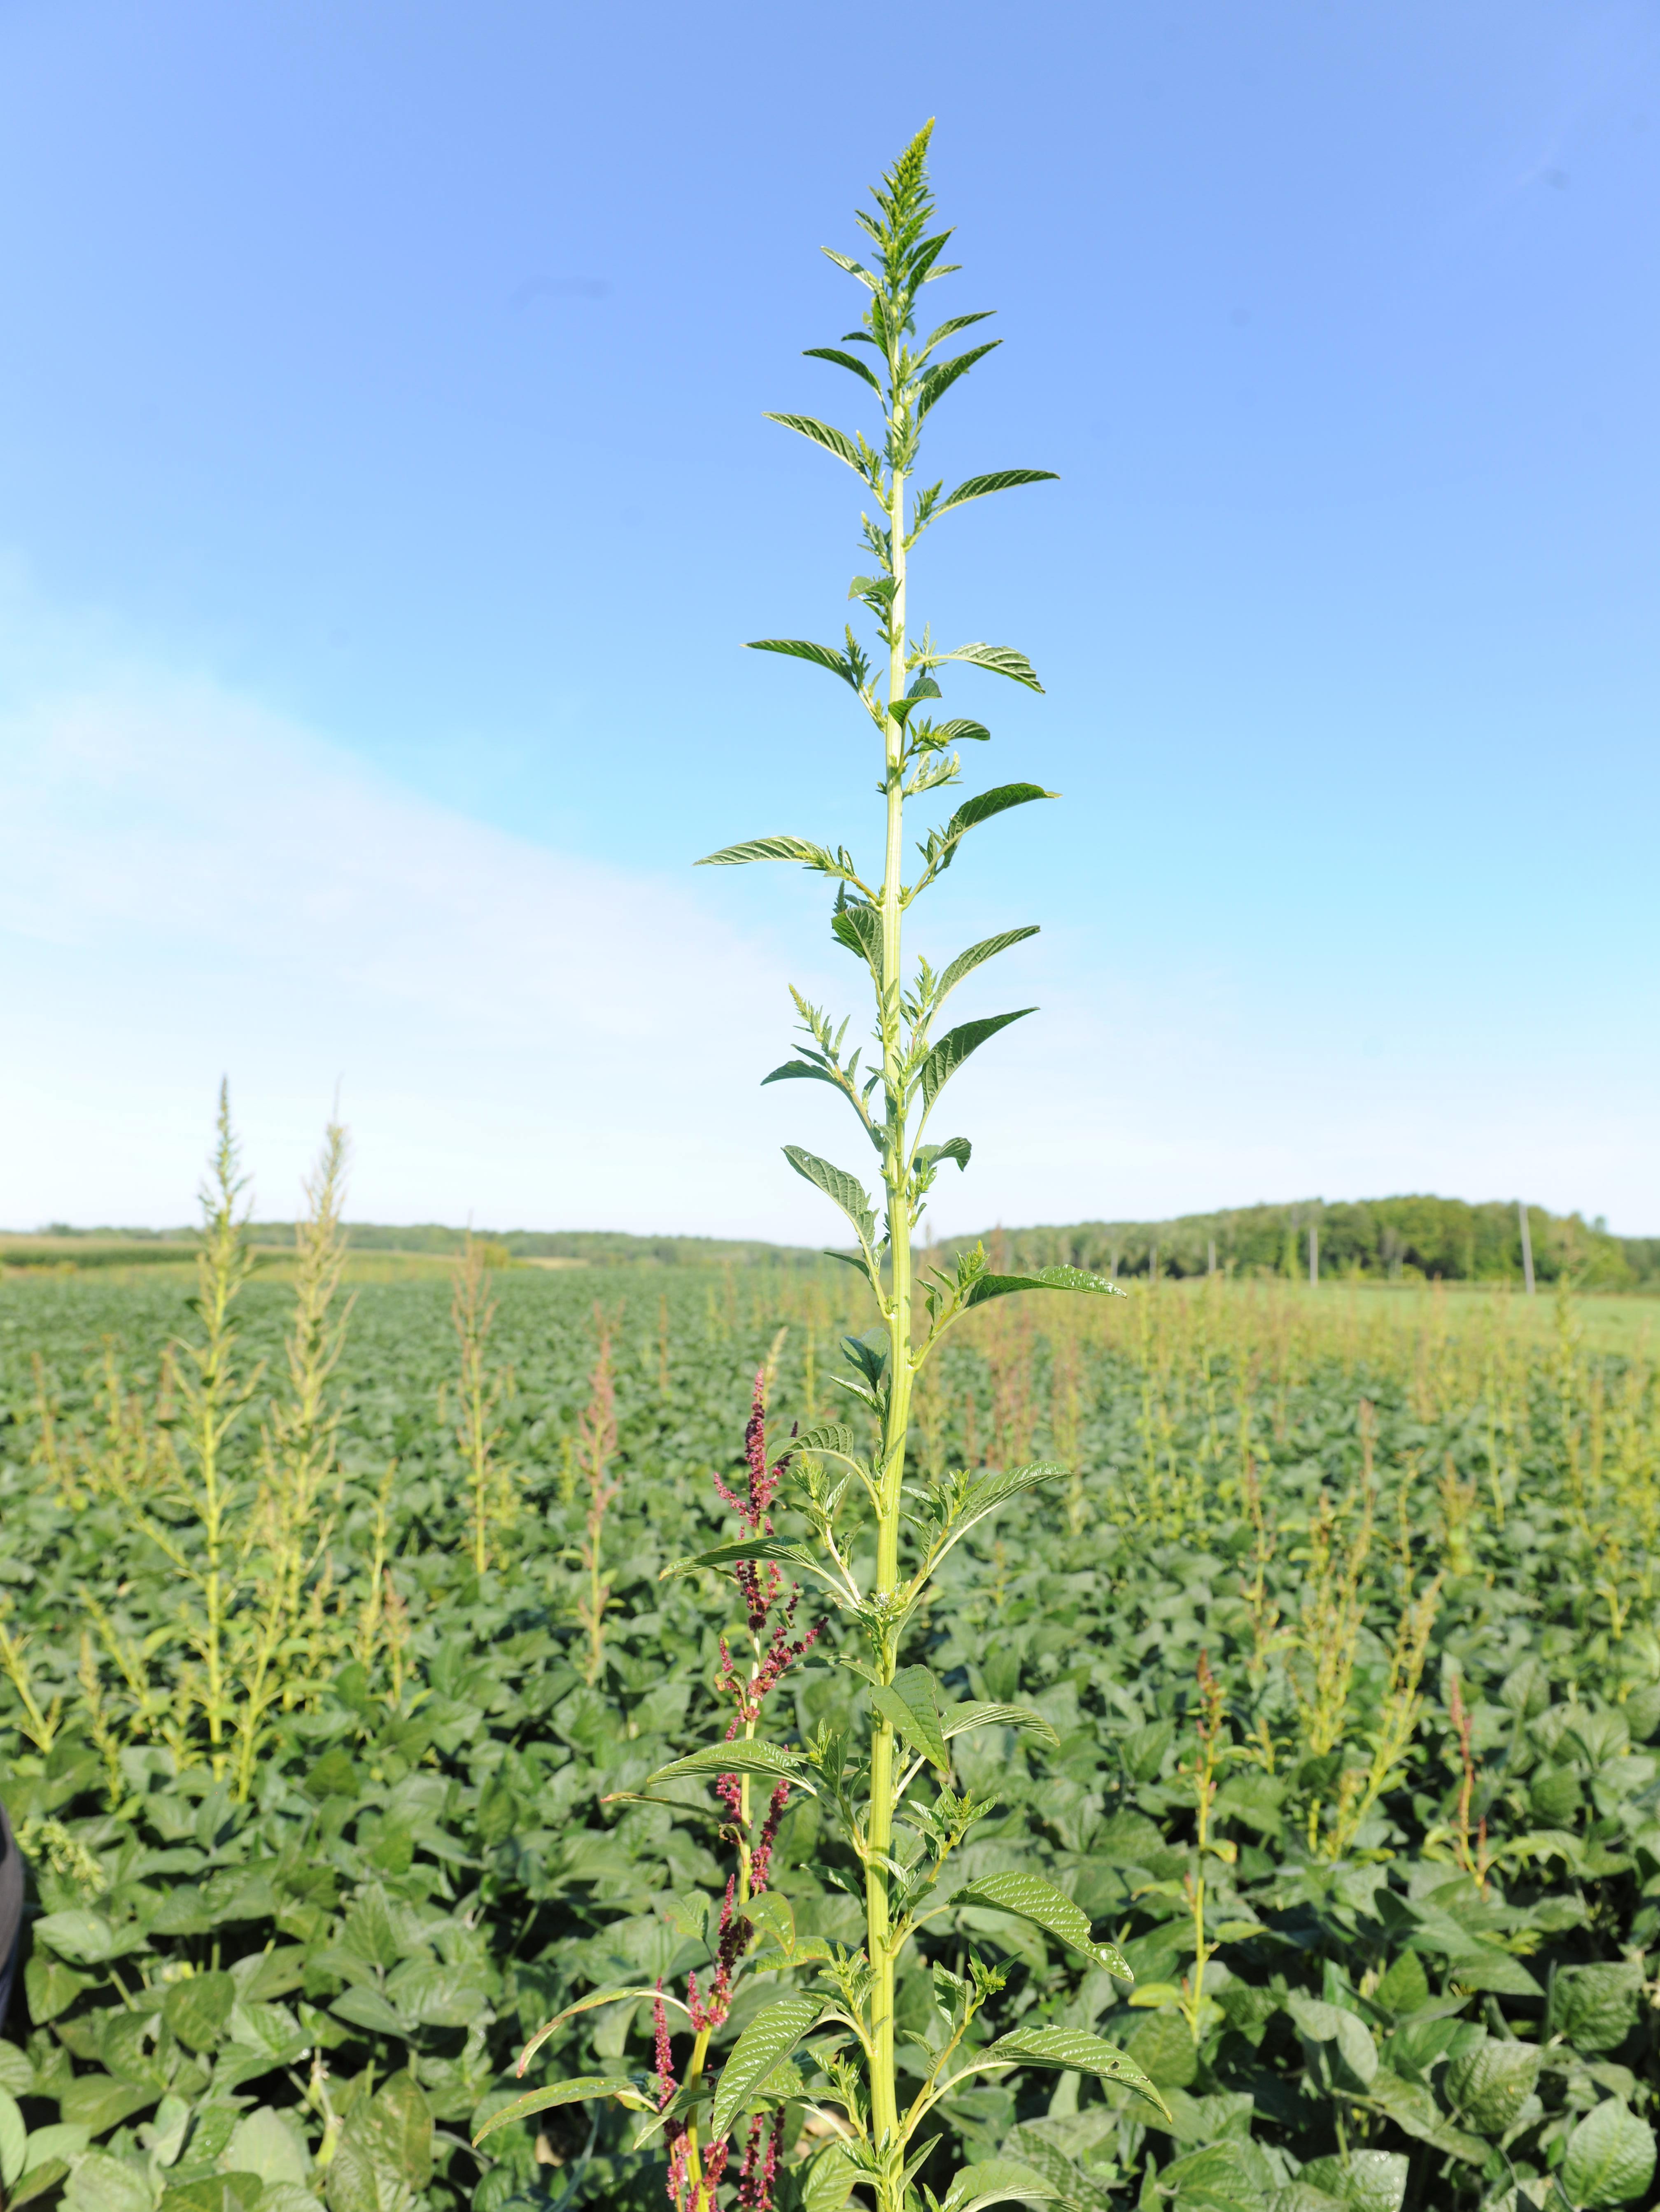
(934, 383)
(1610, 2159)
(589, 2003)
(838, 1186)
(950, 327)
(741, 1756)
(1080, 2053)
(1026, 1719)
(977, 955)
(842, 361)
(998, 480)
(959, 733)
(1000, 660)
(910, 1702)
(991, 1491)
(954, 1148)
(770, 2038)
(1041, 1279)
(756, 1547)
(859, 928)
(954, 1048)
(1031, 1897)
(579, 2091)
(823, 434)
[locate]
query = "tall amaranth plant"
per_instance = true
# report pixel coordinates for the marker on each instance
(889, 1790)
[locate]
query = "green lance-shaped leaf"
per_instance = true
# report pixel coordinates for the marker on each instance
(1610, 2159)
(976, 955)
(1070, 2047)
(1000, 660)
(934, 383)
(774, 849)
(842, 361)
(1030, 1897)
(1041, 1279)
(803, 648)
(949, 328)
(838, 1186)
(595, 1998)
(910, 1702)
(991, 1491)
(801, 1070)
(997, 2181)
(581, 2090)
(999, 480)
(739, 1757)
(769, 2038)
(822, 433)
(1026, 1719)
(954, 1048)
(987, 804)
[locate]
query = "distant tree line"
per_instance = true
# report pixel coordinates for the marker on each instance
(1400, 1239)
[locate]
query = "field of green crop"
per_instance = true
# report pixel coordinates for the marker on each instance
(315, 1710)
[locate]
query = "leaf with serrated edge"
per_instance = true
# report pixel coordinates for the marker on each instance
(585, 2004)
(1030, 1897)
(1070, 2047)
(580, 2091)
(910, 1702)
(740, 1757)
(770, 2036)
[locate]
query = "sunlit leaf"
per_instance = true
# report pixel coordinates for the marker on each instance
(770, 2038)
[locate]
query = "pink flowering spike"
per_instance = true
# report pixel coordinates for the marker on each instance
(769, 2166)
(749, 2172)
(666, 2081)
(714, 2165)
(761, 1863)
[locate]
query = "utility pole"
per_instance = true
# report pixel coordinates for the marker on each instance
(1313, 1252)
(1527, 1246)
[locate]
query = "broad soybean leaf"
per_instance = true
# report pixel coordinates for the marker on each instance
(771, 848)
(1002, 660)
(1610, 2159)
(99, 2102)
(954, 1048)
(196, 2009)
(988, 948)
(589, 2003)
(770, 2038)
(1072, 2049)
(1215, 2179)
(838, 1186)
(582, 2089)
(1026, 1719)
(85, 1939)
(13, 2137)
(1595, 2006)
(822, 433)
(1041, 1902)
(38, 2181)
(910, 1702)
(997, 480)
(1366, 2180)
(100, 2182)
(1041, 1279)
(997, 2181)
(1489, 2083)
(365, 2007)
(1342, 2037)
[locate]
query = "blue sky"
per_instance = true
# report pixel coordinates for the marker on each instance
(384, 495)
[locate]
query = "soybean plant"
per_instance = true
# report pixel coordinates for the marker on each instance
(887, 1789)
